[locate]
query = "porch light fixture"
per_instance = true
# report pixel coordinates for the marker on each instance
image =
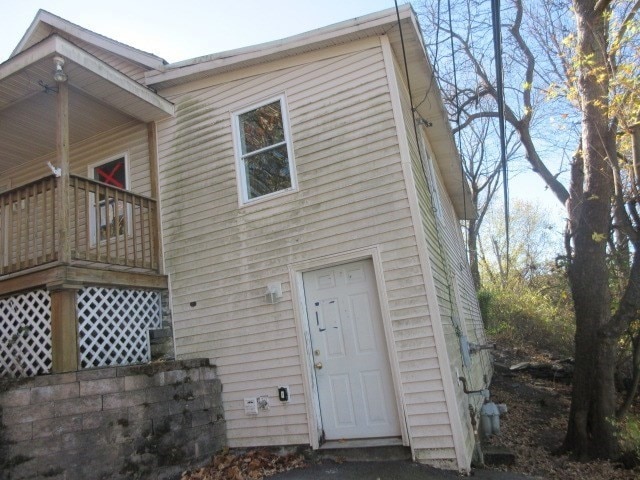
(59, 75)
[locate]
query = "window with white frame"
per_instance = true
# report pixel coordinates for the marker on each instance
(107, 212)
(263, 149)
(429, 169)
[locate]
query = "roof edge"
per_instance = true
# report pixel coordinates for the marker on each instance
(47, 18)
(54, 44)
(184, 69)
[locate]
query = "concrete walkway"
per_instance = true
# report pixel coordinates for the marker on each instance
(385, 470)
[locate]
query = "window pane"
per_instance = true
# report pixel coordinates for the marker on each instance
(261, 127)
(267, 172)
(112, 173)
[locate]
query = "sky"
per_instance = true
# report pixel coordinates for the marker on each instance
(179, 30)
(182, 29)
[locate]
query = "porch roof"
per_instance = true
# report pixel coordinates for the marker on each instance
(101, 98)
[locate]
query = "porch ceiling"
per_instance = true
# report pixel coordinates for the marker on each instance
(100, 98)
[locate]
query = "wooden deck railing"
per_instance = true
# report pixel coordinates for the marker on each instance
(108, 226)
(28, 226)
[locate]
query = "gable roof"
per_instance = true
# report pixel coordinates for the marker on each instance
(45, 24)
(106, 96)
(403, 31)
(401, 27)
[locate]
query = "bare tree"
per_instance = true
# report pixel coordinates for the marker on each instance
(481, 165)
(579, 63)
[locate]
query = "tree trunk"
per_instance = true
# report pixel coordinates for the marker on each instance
(472, 247)
(591, 430)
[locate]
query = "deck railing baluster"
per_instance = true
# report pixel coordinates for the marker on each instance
(108, 225)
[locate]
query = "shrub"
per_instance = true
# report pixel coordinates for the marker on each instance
(519, 314)
(629, 437)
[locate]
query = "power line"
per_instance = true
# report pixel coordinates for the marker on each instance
(455, 83)
(497, 48)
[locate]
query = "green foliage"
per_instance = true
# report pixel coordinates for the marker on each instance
(484, 301)
(629, 435)
(529, 302)
(521, 314)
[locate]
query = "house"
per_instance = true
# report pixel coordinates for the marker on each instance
(296, 204)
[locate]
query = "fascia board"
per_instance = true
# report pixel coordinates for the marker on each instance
(262, 52)
(60, 46)
(54, 22)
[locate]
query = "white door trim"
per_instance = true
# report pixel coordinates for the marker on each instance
(304, 345)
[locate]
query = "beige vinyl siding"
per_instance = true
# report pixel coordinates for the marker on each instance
(478, 373)
(466, 298)
(128, 139)
(454, 287)
(351, 195)
(437, 250)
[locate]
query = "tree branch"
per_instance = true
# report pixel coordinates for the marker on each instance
(624, 26)
(600, 6)
(530, 63)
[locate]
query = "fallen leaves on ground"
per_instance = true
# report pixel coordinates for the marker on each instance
(249, 465)
(534, 429)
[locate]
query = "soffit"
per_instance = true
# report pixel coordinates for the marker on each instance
(100, 98)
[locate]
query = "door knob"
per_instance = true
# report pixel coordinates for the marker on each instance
(318, 365)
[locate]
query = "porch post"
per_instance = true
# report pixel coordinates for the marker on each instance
(64, 329)
(62, 152)
(152, 140)
(64, 321)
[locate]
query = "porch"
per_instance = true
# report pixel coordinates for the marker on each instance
(109, 228)
(81, 277)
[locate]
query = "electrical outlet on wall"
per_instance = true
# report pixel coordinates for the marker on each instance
(263, 402)
(283, 393)
(250, 406)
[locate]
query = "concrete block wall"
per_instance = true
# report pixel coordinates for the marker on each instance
(161, 339)
(145, 421)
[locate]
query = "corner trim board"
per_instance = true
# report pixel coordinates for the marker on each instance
(436, 323)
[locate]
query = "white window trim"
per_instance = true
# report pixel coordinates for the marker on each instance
(428, 164)
(243, 194)
(92, 166)
(92, 216)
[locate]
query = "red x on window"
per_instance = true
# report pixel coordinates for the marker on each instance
(112, 173)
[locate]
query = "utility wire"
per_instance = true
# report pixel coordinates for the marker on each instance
(453, 304)
(458, 136)
(497, 48)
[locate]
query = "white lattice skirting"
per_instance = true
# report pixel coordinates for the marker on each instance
(114, 324)
(25, 334)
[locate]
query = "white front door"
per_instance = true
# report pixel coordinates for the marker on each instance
(352, 369)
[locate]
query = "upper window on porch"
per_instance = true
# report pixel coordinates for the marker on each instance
(110, 212)
(113, 172)
(263, 149)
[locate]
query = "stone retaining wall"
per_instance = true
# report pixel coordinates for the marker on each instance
(145, 421)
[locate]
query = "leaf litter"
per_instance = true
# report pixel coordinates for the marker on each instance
(533, 429)
(248, 465)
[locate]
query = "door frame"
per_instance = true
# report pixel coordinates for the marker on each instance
(312, 401)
